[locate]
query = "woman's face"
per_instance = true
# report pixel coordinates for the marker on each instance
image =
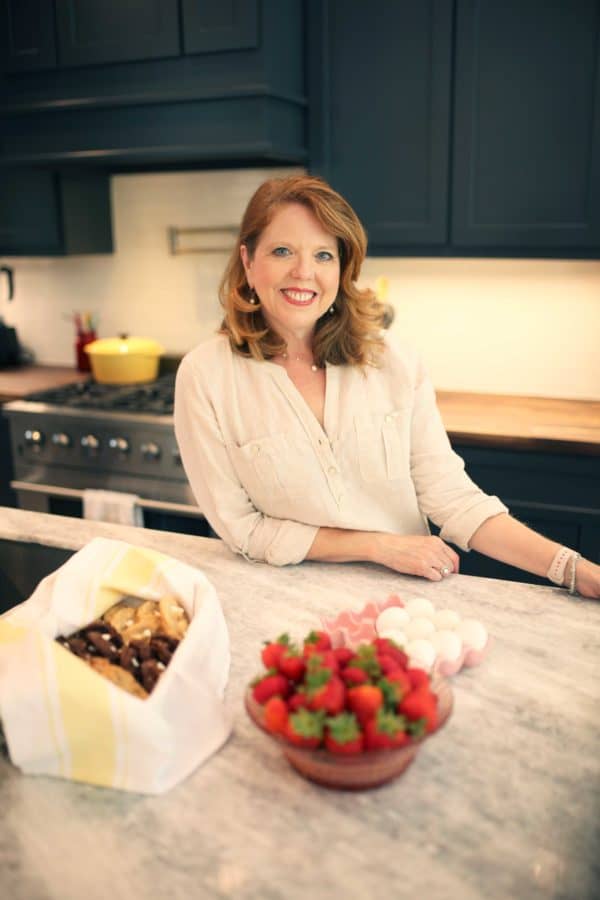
(295, 271)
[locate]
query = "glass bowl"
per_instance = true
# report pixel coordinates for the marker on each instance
(365, 770)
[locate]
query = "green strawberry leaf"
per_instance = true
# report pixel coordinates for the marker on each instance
(308, 724)
(417, 728)
(343, 727)
(390, 693)
(366, 659)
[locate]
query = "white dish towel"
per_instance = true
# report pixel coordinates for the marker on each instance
(113, 506)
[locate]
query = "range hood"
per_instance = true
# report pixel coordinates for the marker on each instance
(235, 97)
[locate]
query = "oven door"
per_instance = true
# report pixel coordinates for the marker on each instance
(161, 515)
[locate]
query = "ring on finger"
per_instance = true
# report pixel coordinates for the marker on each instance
(444, 571)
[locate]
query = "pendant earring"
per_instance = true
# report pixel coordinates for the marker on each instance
(332, 309)
(253, 299)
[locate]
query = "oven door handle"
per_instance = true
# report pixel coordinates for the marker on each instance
(76, 494)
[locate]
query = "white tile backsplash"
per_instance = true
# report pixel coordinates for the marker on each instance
(506, 326)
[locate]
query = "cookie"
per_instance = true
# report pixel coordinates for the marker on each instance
(121, 677)
(173, 617)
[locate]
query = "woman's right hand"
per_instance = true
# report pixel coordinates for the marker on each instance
(426, 556)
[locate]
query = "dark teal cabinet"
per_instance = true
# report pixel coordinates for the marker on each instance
(228, 25)
(526, 153)
(386, 116)
(461, 127)
(90, 32)
(27, 39)
(45, 213)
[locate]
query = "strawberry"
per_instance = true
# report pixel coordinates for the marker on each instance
(272, 650)
(297, 701)
(325, 691)
(364, 701)
(388, 664)
(385, 731)
(353, 676)
(343, 735)
(343, 656)
(326, 659)
(388, 647)
(304, 728)
(366, 658)
(316, 642)
(275, 715)
(291, 664)
(418, 677)
(269, 685)
(401, 680)
(392, 693)
(420, 704)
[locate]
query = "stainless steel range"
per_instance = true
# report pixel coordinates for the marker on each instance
(117, 438)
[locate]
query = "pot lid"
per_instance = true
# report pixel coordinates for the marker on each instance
(125, 345)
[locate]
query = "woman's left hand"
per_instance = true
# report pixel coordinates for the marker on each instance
(587, 579)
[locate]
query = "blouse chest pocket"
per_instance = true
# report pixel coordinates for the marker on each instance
(383, 445)
(270, 467)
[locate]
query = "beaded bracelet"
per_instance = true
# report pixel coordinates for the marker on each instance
(572, 588)
(556, 572)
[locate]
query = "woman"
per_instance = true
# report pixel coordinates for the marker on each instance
(306, 433)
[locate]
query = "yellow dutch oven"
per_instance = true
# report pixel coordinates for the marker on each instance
(124, 360)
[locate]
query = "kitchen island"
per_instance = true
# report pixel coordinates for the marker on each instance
(503, 803)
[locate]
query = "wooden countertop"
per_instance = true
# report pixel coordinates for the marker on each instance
(521, 423)
(484, 420)
(16, 383)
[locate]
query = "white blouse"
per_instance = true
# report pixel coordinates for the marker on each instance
(266, 474)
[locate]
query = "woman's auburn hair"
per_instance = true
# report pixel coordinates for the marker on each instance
(353, 333)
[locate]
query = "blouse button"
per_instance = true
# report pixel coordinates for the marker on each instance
(389, 417)
(255, 449)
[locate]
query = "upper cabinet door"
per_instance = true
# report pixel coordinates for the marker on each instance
(527, 124)
(387, 129)
(96, 31)
(213, 25)
(26, 35)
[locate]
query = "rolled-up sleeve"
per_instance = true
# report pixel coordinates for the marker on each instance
(216, 486)
(445, 492)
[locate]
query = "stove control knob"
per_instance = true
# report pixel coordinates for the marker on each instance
(34, 438)
(150, 450)
(119, 445)
(90, 442)
(60, 439)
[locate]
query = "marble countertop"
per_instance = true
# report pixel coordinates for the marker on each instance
(503, 803)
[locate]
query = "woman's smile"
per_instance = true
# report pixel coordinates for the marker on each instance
(298, 297)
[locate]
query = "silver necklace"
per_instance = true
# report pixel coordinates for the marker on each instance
(313, 366)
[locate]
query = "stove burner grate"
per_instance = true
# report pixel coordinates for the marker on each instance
(152, 397)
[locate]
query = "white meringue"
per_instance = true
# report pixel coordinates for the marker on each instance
(419, 607)
(448, 645)
(394, 617)
(419, 628)
(421, 653)
(446, 618)
(473, 634)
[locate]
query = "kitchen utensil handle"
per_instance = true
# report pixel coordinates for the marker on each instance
(77, 494)
(11, 281)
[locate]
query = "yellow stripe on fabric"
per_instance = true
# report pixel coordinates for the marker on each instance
(123, 739)
(51, 709)
(11, 634)
(84, 702)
